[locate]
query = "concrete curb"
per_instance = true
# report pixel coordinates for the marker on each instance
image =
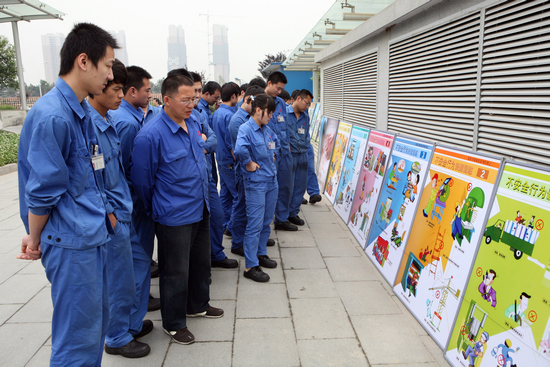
(8, 168)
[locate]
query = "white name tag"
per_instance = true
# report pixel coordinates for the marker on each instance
(280, 118)
(301, 131)
(98, 162)
(271, 145)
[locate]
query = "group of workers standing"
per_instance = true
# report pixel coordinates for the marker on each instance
(102, 173)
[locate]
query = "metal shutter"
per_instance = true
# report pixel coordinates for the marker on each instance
(333, 92)
(432, 77)
(360, 85)
(515, 86)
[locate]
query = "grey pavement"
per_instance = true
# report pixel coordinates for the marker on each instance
(326, 305)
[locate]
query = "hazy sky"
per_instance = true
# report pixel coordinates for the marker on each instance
(255, 28)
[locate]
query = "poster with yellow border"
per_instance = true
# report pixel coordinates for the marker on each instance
(444, 237)
(338, 156)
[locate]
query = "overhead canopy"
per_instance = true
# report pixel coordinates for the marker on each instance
(342, 17)
(24, 10)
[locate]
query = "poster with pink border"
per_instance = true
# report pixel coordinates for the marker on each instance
(325, 150)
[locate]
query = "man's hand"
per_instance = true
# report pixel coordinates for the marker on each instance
(112, 218)
(30, 250)
(252, 166)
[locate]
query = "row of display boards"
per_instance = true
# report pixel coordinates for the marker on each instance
(459, 235)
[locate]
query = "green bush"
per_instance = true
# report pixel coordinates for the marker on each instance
(9, 143)
(6, 107)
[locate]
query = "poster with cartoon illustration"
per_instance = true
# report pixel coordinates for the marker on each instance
(328, 137)
(313, 113)
(337, 161)
(318, 126)
(350, 172)
(399, 197)
(506, 309)
(370, 180)
(446, 231)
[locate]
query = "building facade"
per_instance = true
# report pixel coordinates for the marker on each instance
(177, 51)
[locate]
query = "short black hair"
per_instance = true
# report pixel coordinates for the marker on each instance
(171, 84)
(211, 88)
(120, 75)
(244, 86)
(84, 38)
(158, 100)
(180, 71)
(295, 93)
(263, 101)
(277, 77)
(257, 81)
(284, 95)
(196, 77)
(230, 89)
(136, 75)
(304, 93)
(254, 91)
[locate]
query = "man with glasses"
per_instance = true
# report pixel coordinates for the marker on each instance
(298, 128)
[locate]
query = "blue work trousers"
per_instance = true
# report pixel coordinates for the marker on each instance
(184, 264)
(144, 227)
(122, 286)
(260, 206)
(228, 193)
(216, 224)
(284, 180)
(312, 183)
(299, 182)
(142, 276)
(238, 218)
(80, 300)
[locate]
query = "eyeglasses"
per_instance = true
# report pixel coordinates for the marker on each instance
(190, 101)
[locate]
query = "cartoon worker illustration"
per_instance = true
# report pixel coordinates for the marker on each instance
(486, 289)
(433, 196)
(477, 351)
(392, 177)
(531, 223)
(506, 350)
(456, 222)
(518, 311)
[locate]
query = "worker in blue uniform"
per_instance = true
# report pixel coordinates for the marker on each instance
(298, 129)
(120, 266)
(129, 119)
(224, 151)
(238, 216)
(211, 93)
(256, 149)
(170, 176)
(63, 205)
(275, 84)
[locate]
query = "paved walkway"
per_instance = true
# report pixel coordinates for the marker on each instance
(326, 305)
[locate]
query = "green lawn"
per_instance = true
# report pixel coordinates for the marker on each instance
(9, 143)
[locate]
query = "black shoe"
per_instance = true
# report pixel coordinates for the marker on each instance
(227, 232)
(266, 262)
(154, 304)
(211, 313)
(133, 349)
(285, 226)
(145, 329)
(270, 242)
(225, 263)
(256, 274)
(238, 251)
(304, 201)
(155, 272)
(315, 198)
(296, 220)
(182, 336)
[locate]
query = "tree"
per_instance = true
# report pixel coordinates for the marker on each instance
(280, 57)
(8, 66)
(155, 87)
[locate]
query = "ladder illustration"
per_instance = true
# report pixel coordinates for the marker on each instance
(443, 303)
(436, 253)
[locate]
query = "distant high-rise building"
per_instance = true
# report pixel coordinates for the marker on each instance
(51, 46)
(177, 52)
(220, 54)
(121, 53)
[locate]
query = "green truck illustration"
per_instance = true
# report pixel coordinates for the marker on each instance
(517, 245)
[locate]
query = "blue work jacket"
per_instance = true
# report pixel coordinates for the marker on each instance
(220, 124)
(204, 109)
(239, 118)
(299, 143)
(280, 127)
(152, 111)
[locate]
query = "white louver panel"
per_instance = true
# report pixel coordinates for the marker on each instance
(433, 79)
(333, 92)
(515, 86)
(360, 85)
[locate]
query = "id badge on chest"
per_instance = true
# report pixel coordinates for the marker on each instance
(280, 118)
(301, 131)
(271, 145)
(97, 159)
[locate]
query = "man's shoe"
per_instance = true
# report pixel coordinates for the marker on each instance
(225, 263)
(211, 313)
(315, 198)
(154, 304)
(256, 274)
(133, 349)
(238, 251)
(270, 242)
(145, 329)
(227, 232)
(304, 201)
(182, 336)
(266, 262)
(155, 272)
(285, 226)
(296, 220)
